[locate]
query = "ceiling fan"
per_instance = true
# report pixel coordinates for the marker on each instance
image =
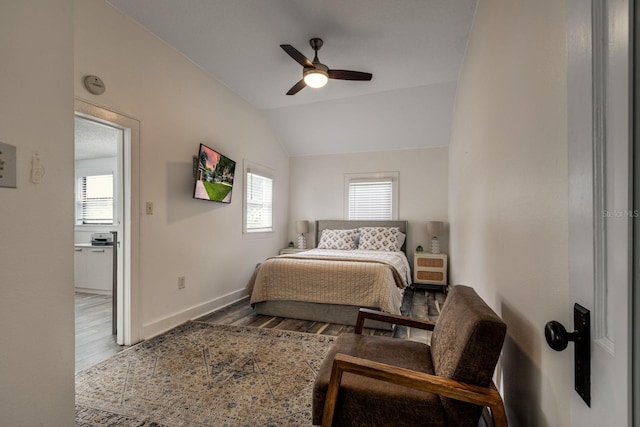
(315, 74)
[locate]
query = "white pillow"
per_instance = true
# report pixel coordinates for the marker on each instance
(338, 239)
(380, 239)
(401, 239)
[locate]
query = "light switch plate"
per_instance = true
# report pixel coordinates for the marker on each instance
(7, 165)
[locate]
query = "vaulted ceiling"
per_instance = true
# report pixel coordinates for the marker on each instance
(413, 48)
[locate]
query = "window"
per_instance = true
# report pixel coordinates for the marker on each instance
(258, 200)
(94, 200)
(371, 196)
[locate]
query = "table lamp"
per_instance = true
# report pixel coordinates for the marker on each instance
(435, 229)
(302, 227)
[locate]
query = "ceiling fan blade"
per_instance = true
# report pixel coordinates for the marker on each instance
(297, 87)
(295, 54)
(349, 75)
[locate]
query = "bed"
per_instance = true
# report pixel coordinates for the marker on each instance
(331, 282)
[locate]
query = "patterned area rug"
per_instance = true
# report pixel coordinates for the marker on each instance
(201, 374)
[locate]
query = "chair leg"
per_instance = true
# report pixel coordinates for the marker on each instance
(499, 416)
(498, 413)
(332, 394)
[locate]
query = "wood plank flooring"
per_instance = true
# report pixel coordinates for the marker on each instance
(417, 303)
(94, 341)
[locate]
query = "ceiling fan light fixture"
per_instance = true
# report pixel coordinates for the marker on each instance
(316, 78)
(315, 74)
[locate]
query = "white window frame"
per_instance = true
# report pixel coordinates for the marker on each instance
(78, 199)
(250, 167)
(372, 176)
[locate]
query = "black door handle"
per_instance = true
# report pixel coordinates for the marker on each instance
(558, 338)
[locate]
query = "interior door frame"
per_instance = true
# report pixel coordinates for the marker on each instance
(128, 293)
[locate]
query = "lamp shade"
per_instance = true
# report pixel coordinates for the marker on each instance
(435, 228)
(302, 227)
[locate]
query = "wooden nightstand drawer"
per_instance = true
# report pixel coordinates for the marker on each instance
(430, 276)
(430, 262)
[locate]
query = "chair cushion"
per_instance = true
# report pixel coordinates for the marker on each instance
(370, 402)
(465, 346)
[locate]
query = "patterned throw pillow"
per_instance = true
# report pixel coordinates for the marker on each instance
(379, 239)
(338, 239)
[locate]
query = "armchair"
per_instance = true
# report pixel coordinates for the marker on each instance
(376, 380)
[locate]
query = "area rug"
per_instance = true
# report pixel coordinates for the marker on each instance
(201, 374)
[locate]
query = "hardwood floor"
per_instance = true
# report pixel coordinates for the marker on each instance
(417, 303)
(94, 341)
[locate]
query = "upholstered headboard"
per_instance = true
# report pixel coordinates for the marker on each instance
(341, 224)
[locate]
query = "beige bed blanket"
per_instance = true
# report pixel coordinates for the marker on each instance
(333, 278)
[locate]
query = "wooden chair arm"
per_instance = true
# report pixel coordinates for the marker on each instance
(483, 396)
(412, 322)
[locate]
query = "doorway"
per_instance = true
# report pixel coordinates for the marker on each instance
(98, 218)
(124, 227)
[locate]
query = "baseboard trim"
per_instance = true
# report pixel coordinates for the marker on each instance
(157, 327)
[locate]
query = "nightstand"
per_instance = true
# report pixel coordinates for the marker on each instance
(291, 251)
(430, 269)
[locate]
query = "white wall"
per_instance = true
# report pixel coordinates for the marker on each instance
(180, 106)
(36, 231)
(317, 188)
(508, 200)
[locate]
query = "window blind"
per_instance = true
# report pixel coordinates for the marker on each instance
(371, 199)
(96, 199)
(259, 203)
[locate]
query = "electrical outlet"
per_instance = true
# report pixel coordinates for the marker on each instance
(181, 282)
(149, 208)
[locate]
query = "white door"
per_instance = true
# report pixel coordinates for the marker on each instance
(600, 202)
